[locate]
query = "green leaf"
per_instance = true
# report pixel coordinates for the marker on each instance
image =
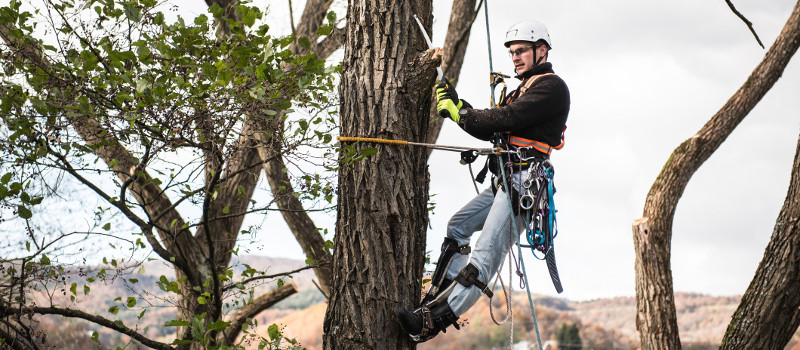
(368, 151)
(201, 20)
(73, 288)
(249, 18)
(86, 289)
(274, 332)
(226, 210)
(131, 302)
(6, 178)
(94, 336)
(44, 260)
(304, 43)
(132, 12)
(114, 309)
(107, 226)
(219, 325)
(24, 213)
(202, 300)
(325, 30)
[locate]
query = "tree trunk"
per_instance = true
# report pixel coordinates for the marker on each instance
(768, 315)
(382, 219)
(652, 234)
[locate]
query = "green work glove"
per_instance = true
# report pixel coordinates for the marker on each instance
(448, 104)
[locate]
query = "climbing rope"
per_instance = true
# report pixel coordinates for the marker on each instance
(478, 151)
(506, 293)
(507, 189)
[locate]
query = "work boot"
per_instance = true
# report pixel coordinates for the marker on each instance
(426, 323)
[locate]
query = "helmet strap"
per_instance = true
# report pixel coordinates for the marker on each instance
(536, 61)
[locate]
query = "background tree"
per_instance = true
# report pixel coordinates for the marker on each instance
(178, 114)
(656, 318)
(569, 337)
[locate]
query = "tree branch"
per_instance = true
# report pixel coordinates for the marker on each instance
(331, 43)
(260, 304)
(746, 21)
(768, 315)
(293, 212)
(656, 317)
(287, 273)
(114, 325)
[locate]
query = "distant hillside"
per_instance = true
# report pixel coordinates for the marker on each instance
(63, 333)
(603, 323)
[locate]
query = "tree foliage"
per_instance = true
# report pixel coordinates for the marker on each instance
(569, 337)
(159, 127)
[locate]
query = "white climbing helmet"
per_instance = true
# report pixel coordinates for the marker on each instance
(532, 31)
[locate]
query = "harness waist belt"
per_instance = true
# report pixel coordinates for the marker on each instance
(537, 145)
(529, 152)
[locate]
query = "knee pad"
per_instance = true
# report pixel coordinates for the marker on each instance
(468, 277)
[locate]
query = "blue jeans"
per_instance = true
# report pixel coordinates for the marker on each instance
(491, 215)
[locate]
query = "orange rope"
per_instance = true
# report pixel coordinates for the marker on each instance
(372, 139)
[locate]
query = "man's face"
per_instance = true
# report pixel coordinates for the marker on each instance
(522, 55)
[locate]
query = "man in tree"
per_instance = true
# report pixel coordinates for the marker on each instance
(530, 122)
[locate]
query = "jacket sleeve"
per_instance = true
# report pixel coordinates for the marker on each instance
(542, 101)
(480, 135)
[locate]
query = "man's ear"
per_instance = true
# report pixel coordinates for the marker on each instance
(541, 50)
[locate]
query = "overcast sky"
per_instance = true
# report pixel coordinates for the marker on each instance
(644, 76)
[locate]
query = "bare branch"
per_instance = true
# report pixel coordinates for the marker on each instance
(114, 325)
(260, 304)
(287, 273)
(331, 43)
(746, 21)
(295, 215)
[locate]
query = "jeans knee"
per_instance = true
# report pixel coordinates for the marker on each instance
(459, 235)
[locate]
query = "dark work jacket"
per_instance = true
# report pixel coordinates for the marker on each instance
(539, 114)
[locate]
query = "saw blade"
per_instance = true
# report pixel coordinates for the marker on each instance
(430, 46)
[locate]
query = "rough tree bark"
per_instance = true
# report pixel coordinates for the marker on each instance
(382, 218)
(655, 311)
(768, 314)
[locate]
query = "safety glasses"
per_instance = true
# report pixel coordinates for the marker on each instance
(519, 51)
